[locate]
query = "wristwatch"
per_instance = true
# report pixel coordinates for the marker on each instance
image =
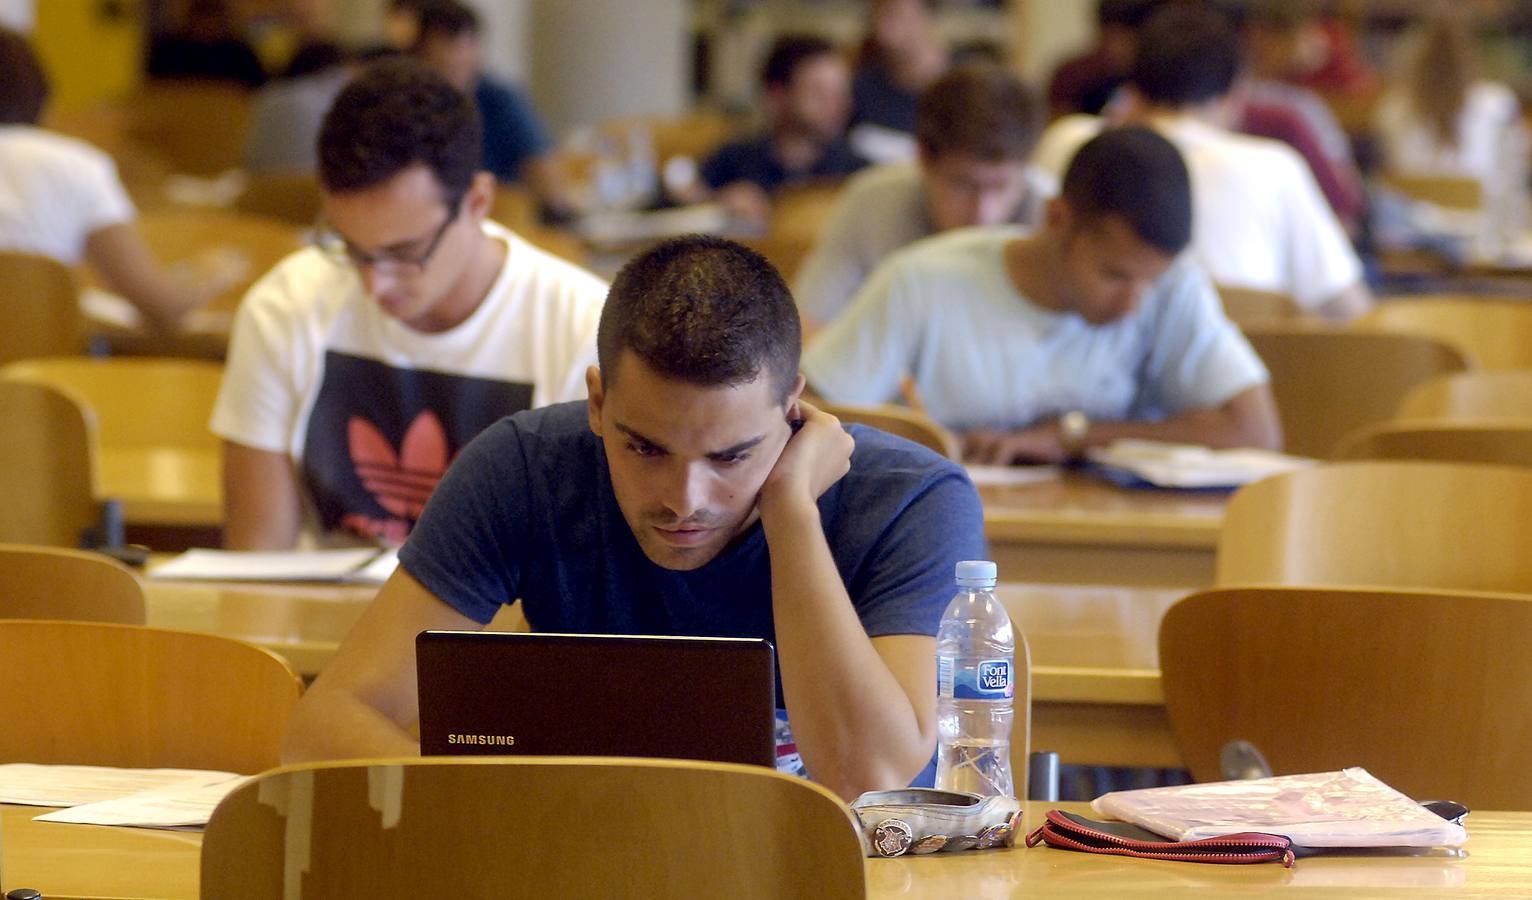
(1074, 427)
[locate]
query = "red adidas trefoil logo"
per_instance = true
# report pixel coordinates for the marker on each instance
(401, 482)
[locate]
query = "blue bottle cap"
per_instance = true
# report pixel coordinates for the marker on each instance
(976, 573)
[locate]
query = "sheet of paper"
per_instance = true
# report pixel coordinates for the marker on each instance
(297, 565)
(34, 785)
(1190, 466)
(179, 806)
(379, 570)
(1008, 476)
(107, 308)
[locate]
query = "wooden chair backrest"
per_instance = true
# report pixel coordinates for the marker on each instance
(1251, 306)
(533, 827)
(196, 126)
(1496, 394)
(126, 695)
(1329, 382)
(42, 308)
(54, 583)
(1493, 333)
(1455, 526)
(1446, 191)
(47, 467)
(1424, 689)
(901, 421)
(291, 198)
(136, 401)
(1502, 442)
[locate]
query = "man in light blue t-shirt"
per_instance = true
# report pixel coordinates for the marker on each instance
(1036, 346)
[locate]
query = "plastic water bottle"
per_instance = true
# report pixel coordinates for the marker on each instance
(975, 687)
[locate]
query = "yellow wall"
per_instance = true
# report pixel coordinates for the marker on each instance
(91, 49)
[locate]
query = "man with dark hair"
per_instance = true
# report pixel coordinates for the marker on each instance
(1261, 220)
(808, 102)
(976, 128)
(693, 494)
(1037, 346)
(359, 367)
(516, 144)
(1087, 83)
(61, 198)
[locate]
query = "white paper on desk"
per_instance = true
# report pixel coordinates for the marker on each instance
(107, 308)
(620, 227)
(1349, 808)
(1010, 476)
(178, 806)
(296, 565)
(35, 785)
(377, 571)
(1191, 466)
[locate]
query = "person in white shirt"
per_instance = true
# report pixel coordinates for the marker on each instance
(1261, 221)
(1441, 119)
(1036, 346)
(359, 367)
(975, 127)
(61, 198)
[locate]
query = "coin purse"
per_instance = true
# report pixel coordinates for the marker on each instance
(924, 820)
(1067, 831)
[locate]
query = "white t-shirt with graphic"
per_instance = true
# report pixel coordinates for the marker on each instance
(372, 411)
(945, 312)
(54, 192)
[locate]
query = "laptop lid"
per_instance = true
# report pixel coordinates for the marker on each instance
(521, 694)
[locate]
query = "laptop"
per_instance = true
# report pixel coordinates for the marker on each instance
(520, 694)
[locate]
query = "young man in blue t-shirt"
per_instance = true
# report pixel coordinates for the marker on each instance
(695, 493)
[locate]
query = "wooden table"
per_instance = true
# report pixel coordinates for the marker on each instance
(159, 486)
(71, 861)
(1095, 668)
(1078, 529)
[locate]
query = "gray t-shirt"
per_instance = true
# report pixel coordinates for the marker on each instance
(946, 312)
(879, 211)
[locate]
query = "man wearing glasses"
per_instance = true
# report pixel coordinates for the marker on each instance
(359, 367)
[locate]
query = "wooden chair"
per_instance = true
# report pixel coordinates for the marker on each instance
(532, 827)
(1329, 382)
(1251, 306)
(1445, 191)
(1403, 524)
(901, 421)
(136, 401)
(47, 467)
(51, 583)
(125, 695)
(1503, 442)
(1499, 394)
(42, 308)
(1424, 689)
(1495, 333)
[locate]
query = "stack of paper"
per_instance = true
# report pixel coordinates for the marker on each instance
(100, 795)
(1189, 466)
(367, 565)
(1349, 808)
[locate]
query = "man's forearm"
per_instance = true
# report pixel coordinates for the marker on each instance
(853, 722)
(332, 724)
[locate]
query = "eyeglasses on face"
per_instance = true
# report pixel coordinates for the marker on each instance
(401, 261)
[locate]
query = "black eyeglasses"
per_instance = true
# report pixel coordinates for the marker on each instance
(386, 262)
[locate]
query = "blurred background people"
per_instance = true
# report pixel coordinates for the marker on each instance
(902, 55)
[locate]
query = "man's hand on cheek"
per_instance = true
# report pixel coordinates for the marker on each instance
(817, 456)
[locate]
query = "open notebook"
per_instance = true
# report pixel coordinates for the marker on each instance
(1154, 464)
(361, 565)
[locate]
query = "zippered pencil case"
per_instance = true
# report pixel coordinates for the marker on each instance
(1067, 831)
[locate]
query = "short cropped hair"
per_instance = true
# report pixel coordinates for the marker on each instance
(1138, 176)
(447, 18)
(1186, 55)
(703, 310)
(788, 53)
(23, 83)
(396, 114)
(979, 110)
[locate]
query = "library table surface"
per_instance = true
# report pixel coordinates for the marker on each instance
(72, 861)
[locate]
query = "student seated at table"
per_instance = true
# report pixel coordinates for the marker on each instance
(1036, 346)
(1262, 221)
(901, 57)
(61, 198)
(808, 100)
(976, 130)
(694, 493)
(359, 367)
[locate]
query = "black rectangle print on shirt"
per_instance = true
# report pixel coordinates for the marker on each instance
(380, 437)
